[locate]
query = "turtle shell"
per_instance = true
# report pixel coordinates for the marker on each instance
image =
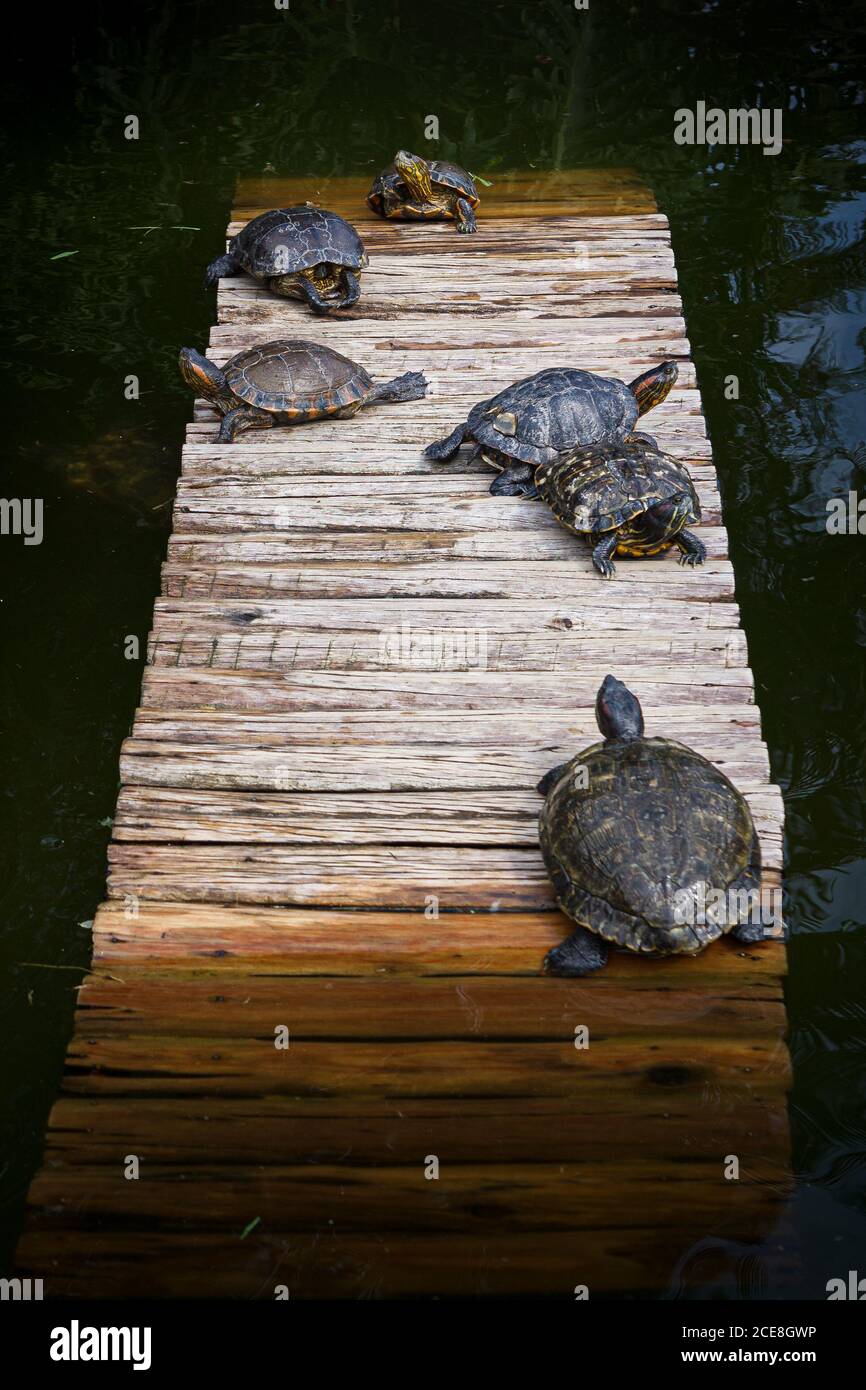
(442, 173)
(630, 840)
(286, 240)
(539, 417)
(297, 377)
(448, 175)
(600, 488)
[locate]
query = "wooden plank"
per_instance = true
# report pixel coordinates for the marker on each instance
(264, 940)
(291, 545)
(455, 817)
(529, 692)
(462, 1007)
(532, 1197)
(486, 1265)
(247, 1066)
(288, 1130)
(553, 579)
(490, 878)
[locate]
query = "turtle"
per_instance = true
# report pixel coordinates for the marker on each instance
(638, 835)
(417, 189)
(540, 416)
(627, 498)
(288, 382)
(300, 252)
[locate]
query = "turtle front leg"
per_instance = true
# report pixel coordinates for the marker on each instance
(351, 290)
(222, 266)
(464, 215)
(241, 419)
(649, 440)
(317, 302)
(550, 779)
(602, 556)
(444, 449)
(518, 480)
(694, 552)
(579, 954)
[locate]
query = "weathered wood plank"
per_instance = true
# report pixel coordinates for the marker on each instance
(455, 817)
(265, 940)
(528, 692)
(485, 1265)
(369, 544)
(286, 1130)
(245, 1066)
(457, 878)
(552, 579)
(491, 1007)
(531, 1197)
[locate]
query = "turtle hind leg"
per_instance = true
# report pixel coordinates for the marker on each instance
(518, 480)
(244, 418)
(444, 449)
(751, 931)
(411, 386)
(602, 556)
(694, 552)
(579, 954)
(464, 215)
(222, 267)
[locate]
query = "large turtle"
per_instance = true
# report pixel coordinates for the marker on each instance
(300, 252)
(648, 845)
(626, 499)
(420, 189)
(289, 382)
(540, 416)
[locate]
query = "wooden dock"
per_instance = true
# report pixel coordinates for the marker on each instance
(360, 665)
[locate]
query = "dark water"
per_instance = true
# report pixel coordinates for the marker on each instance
(771, 258)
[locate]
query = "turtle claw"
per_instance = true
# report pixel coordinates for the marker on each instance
(516, 481)
(579, 954)
(602, 557)
(694, 552)
(749, 933)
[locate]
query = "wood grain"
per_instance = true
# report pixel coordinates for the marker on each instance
(359, 666)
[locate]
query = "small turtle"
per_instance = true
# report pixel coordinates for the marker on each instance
(288, 382)
(540, 416)
(419, 189)
(301, 253)
(626, 499)
(648, 845)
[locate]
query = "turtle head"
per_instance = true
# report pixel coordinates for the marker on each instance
(650, 388)
(201, 374)
(415, 173)
(618, 712)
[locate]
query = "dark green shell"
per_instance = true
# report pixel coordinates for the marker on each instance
(600, 488)
(538, 417)
(288, 240)
(443, 174)
(632, 826)
(296, 377)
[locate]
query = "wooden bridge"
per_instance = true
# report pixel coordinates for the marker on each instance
(360, 665)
